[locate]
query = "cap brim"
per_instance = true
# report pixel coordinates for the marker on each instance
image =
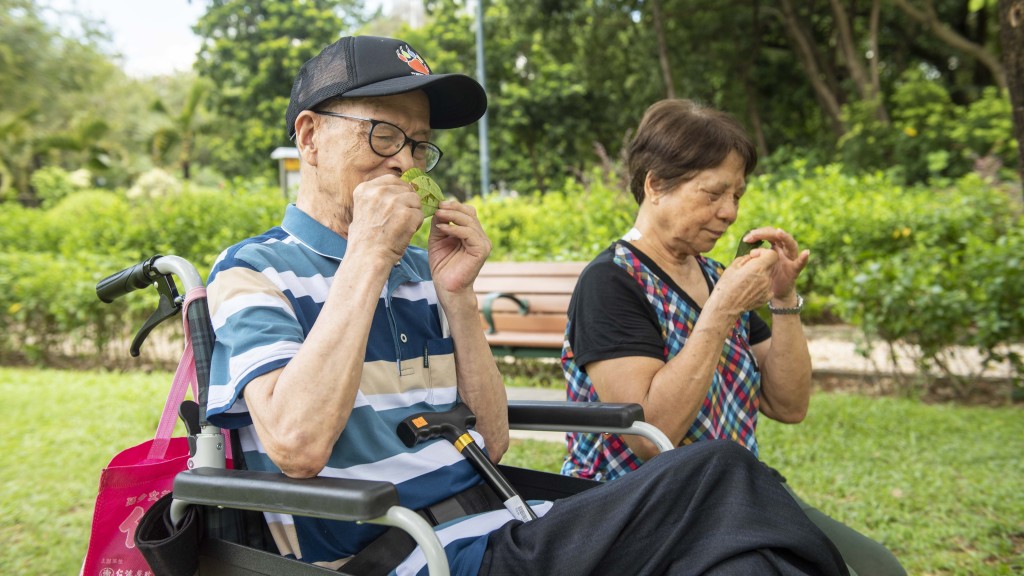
(455, 99)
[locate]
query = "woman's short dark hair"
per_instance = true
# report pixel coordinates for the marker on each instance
(679, 138)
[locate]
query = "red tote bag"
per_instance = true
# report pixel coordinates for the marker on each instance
(136, 478)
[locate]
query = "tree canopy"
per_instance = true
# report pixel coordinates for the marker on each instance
(928, 89)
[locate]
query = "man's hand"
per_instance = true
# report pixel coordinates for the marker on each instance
(385, 214)
(457, 247)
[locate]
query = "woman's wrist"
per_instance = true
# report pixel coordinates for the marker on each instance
(786, 306)
(786, 301)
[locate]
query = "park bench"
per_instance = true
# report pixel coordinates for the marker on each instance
(523, 306)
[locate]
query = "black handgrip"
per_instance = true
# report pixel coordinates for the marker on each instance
(128, 280)
(428, 425)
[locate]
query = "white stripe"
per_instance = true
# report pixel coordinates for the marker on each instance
(474, 526)
(220, 258)
(446, 395)
(315, 287)
(285, 519)
(417, 291)
(238, 303)
(405, 466)
(242, 365)
(249, 440)
(238, 407)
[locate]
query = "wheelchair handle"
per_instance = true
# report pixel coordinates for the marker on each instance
(452, 426)
(128, 280)
(145, 274)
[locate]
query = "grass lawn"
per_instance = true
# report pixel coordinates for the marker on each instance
(942, 486)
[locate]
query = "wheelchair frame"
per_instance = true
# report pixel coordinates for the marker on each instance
(209, 483)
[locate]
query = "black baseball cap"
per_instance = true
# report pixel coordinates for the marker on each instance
(361, 66)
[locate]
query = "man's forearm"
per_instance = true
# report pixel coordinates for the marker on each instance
(304, 409)
(480, 383)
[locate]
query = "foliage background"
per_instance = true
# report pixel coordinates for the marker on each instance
(915, 87)
(935, 269)
(887, 145)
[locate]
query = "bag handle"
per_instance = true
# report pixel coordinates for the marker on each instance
(184, 378)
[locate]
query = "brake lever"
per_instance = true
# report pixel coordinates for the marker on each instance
(170, 305)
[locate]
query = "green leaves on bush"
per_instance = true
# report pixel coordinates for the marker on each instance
(930, 138)
(935, 267)
(48, 305)
(53, 258)
(574, 223)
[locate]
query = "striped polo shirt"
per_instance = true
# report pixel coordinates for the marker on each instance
(265, 294)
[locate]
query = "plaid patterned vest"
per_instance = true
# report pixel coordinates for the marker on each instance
(730, 408)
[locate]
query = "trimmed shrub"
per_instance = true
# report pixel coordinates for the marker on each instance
(937, 267)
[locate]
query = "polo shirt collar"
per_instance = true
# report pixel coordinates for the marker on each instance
(316, 236)
(329, 244)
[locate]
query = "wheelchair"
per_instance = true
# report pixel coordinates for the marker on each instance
(209, 486)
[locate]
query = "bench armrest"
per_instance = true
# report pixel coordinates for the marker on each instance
(330, 498)
(488, 303)
(596, 417)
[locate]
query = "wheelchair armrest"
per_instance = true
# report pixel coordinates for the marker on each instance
(330, 498)
(319, 497)
(596, 417)
(547, 412)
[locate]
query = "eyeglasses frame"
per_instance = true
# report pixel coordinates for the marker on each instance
(369, 136)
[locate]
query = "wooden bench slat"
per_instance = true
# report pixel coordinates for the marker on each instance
(572, 269)
(525, 286)
(526, 340)
(552, 323)
(539, 303)
(547, 286)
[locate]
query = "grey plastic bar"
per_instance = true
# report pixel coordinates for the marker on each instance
(181, 268)
(424, 535)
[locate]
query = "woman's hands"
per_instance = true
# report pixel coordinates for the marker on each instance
(764, 274)
(789, 264)
(747, 283)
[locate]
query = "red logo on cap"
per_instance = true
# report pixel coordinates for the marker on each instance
(406, 54)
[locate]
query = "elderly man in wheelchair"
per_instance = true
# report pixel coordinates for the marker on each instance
(332, 332)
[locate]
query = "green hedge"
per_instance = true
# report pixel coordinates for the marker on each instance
(52, 259)
(937, 267)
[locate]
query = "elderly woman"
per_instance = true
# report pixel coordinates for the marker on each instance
(654, 322)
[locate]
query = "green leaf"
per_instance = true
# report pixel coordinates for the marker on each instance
(429, 191)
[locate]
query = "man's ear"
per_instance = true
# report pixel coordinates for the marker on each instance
(305, 130)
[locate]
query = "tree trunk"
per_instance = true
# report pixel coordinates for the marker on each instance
(1011, 37)
(849, 49)
(876, 9)
(666, 68)
(804, 48)
(868, 91)
(753, 109)
(930, 20)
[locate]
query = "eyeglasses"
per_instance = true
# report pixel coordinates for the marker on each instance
(386, 140)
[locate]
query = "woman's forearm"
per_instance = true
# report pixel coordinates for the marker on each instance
(785, 371)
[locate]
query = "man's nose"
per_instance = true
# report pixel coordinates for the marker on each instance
(402, 161)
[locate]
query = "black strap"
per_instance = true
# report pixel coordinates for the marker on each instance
(385, 553)
(382, 555)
